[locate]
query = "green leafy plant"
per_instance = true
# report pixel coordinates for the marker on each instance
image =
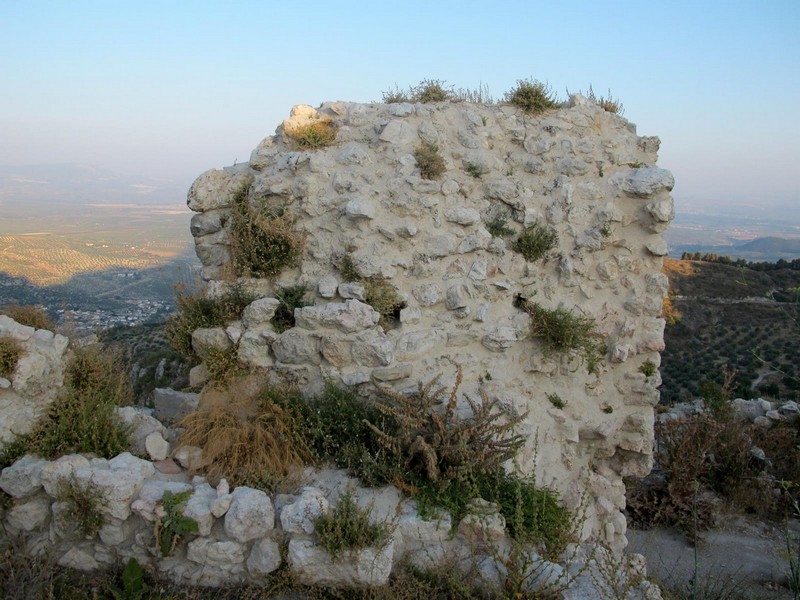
(290, 298)
(347, 268)
(134, 586)
(532, 96)
(348, 528)
(10, 353)
(314, 135)
(83, 506)
(434, 444)
(556, 400)
(563, 332)
(535, 241)
(648, 368)
(385, 299)
(173, 526)
(498, 227)
(430, 162)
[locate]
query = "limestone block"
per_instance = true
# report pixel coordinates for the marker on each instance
(428, 294)
(213, 189)
(29, 515)
(327, 286)
(157, 447)
(360, 208)
(198, 507)
(393, 373)
(254, 347)
(663, 211)
(250, 515)
(373, 349)
(352, 290)
(299, 516)
(500, 339)
(119, 483)
(462, 216)
(296, 347)
(259, 312)
(422, 541)
(206, 551)
(414, 344)
(457, 296)
(207, 223)
(210, 339)
(644, 182)
(24, 477)
(349, 317)
(142, 425)
(64, 467)
(170, 406)
(337, 350)
(313, 565)
(78, 559)
(438, 246)
(265, 557)
(399, 132)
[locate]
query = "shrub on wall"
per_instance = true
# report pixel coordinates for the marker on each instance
(532, 96)
(10, 353)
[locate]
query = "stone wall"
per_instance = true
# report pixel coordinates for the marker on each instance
(36, 379)
(578, 169)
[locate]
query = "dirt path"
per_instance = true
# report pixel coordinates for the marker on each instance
(740, 556)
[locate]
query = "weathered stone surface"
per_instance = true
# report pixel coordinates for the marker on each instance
(417, 343)
(265, 557)
(219, 554)
(462, 216)
(170, 406)
(327, 286)
(141, 424)
(213, 189)
(259, 312)
(250, 515)
(352, 290)
(299, 516)
(399, 132)
(210, 339)
(644, 182)
(500, 339)
(157, 447)
(373, 349)
(29, 515)
(296, 347)
(24, 477)
(367, 567)
(349, 317)
(360, 208)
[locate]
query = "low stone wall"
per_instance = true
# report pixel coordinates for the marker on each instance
(578, 170)
(244, 534)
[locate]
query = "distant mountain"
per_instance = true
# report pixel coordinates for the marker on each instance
(82, 184)
(772, 245)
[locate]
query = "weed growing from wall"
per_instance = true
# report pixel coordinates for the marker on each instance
(314, 135)
(430, 162)
(436, 446)
(498, 226)
(197, 311)
(290, 298)
(173, 526)
(563, 332)
(10, 353)
(263, 239)
(348, 528)
(532, 96)
(378, 293)
(250, 433)
(535, 241)
(83, 502)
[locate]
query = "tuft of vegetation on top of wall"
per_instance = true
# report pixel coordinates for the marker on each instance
(532, 96)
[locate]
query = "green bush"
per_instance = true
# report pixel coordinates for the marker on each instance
(84, 502)
(348, 529)
(430, 162)
(82, 419)
(648, 368)
(173, 526)
(431, 90)
(197, 311)
(385, 299)
(535, 241)
(498, 227)
(10, 353)
(563, 332)
(532, 96)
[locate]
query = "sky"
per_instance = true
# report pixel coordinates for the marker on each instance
(169, 89)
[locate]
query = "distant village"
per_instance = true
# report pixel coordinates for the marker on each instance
(137, 313)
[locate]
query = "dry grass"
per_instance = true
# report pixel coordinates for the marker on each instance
(30, 315)
(246, 435)
(10, 353)
(314, 135)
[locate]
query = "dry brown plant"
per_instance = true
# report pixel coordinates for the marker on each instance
(438, 446)
(246, 436)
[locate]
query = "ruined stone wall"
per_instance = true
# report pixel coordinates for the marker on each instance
(578, 169)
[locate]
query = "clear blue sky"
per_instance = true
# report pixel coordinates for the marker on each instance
(170, 89)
